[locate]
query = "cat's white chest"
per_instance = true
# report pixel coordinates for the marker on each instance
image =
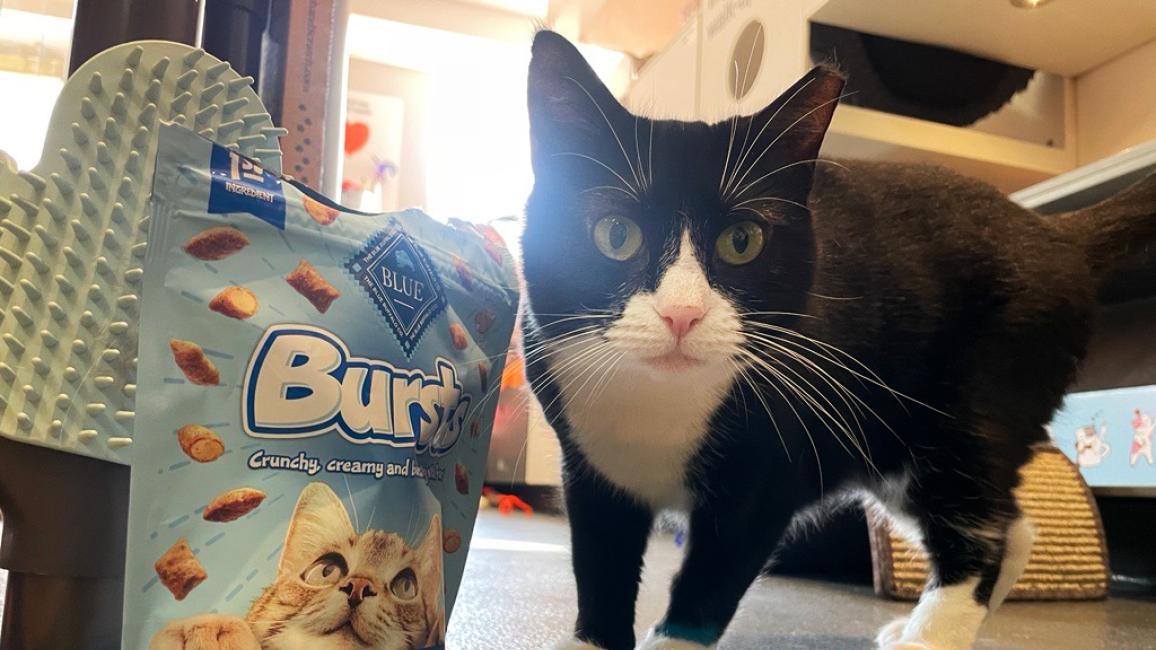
(639, 432)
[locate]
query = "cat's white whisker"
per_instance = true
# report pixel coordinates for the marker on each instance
(840, 393)
(769, 198)
(826, 297)
(873, 378)
(613, 131)
(554, 371)
(825, 346)
(731, 140)
(607, 373)
(650, 157)
(581, 363)
(735, 93)
(744, 374)
(563, 343)
(539, 352)
(857, 404)
(777, 345)
(589, 373)
(742, 153)
(774, 313)
(770, 120)
(750, 356)
(830, 415)
(759, 214)
(800, 352)
(852, 401)
(825, 415)
(739, 194)
(638, 156)
(352, 502)
(372, 513)
(566, 318)
(613, 188)
(633, 191)
(786, 130)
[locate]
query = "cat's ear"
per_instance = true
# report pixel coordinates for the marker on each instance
(429, 554)
(570, 108)
(318, 520)
(797, 120)
(430, 548)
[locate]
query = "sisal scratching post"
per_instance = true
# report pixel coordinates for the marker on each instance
(1069, 560)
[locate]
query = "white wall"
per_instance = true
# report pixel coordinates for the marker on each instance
(413, 89)
(1116, 105)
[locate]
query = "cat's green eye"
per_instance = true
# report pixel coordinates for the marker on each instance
(325, 571)
(740, 243)
(617, 237)
(404, 585)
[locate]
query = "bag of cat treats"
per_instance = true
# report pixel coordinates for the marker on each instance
(315, 394)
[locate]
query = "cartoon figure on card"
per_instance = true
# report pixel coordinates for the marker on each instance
(1091, 449)
(1142, 426)
(335, 589)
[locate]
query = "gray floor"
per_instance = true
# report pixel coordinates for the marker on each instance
(518, 593)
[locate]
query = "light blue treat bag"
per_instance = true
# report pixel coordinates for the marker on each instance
(316, 389)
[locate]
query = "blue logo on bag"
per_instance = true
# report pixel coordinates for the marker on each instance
(400, 279)
(241, 185)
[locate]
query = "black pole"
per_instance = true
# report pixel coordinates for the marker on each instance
(65, 525)
(101, 24)
(233, 31)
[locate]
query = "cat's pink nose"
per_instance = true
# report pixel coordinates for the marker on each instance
(681, 318)
(357, 589)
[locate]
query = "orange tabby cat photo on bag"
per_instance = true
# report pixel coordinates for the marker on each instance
(336, 589)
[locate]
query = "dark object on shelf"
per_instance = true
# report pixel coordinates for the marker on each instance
(921, 81)
(233, 31)
(65, 518)
(101, 24)
(1128, 527)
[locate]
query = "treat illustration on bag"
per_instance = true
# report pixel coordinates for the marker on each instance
(335, 589)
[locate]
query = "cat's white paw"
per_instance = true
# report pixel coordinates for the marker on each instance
(574, 644)
(890, 634)
(890, 637)
(658, 641)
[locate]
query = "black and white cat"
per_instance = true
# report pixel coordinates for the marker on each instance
(719, 325)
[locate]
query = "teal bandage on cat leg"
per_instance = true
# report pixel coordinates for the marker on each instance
(673, 636)
(73, 233)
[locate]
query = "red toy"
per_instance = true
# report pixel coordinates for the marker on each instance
(505, 503)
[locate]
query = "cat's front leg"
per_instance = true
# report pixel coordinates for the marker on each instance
(727, 550)
(207, 632)
(608, 533)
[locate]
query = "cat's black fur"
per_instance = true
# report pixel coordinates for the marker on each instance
(957, 316)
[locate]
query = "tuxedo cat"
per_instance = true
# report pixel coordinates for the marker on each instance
(335, 590)
(720, 323)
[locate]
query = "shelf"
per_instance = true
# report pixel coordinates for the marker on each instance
(1007, 163)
